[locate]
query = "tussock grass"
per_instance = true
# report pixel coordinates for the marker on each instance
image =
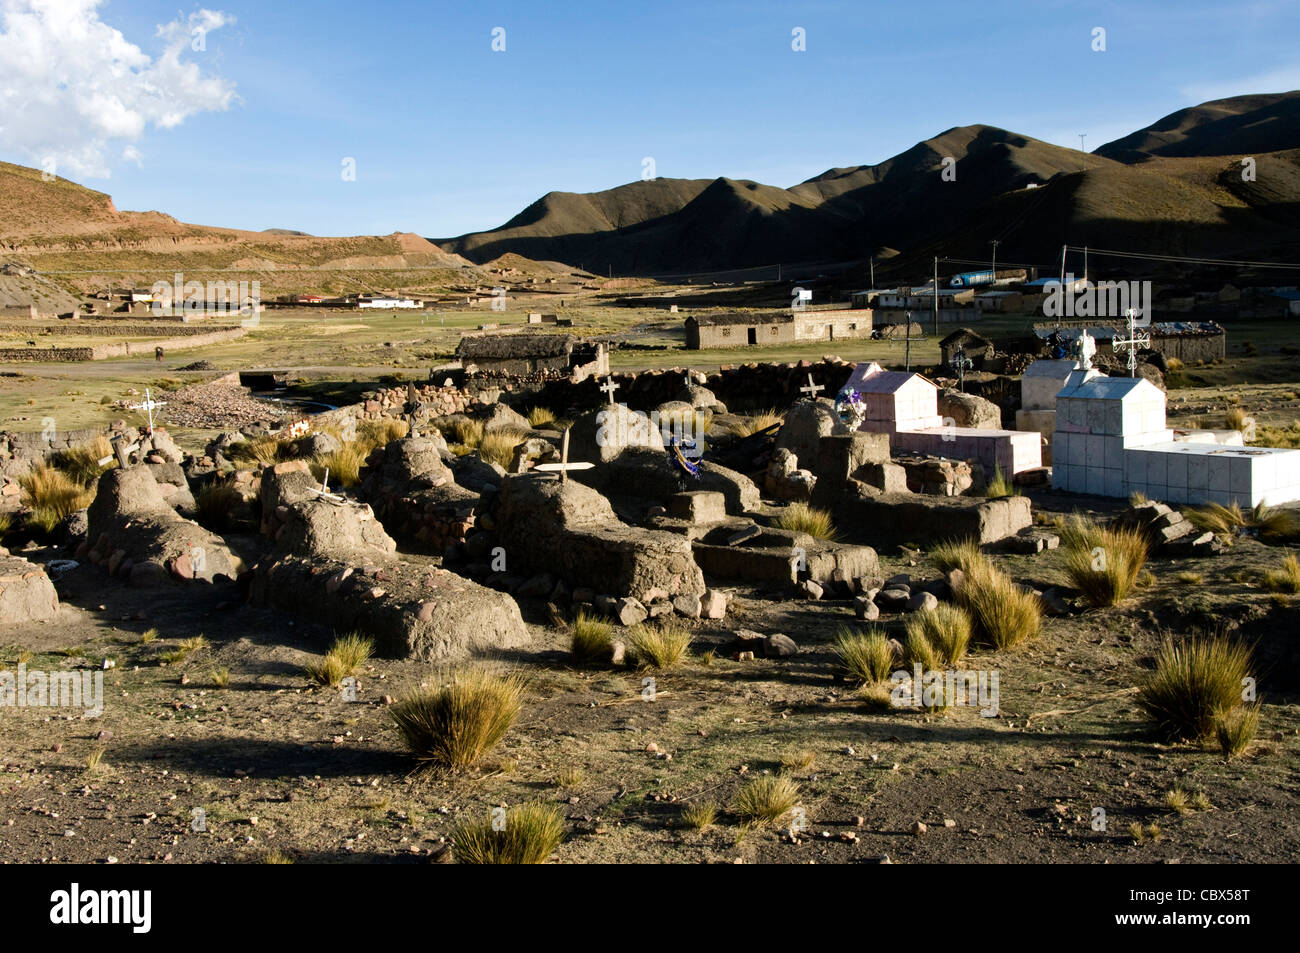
(265, 450)
(148, 635)
(1217, 518)
(215, 505)
(82, 463)
(946, 629)
(764, 801)
(275, 856)
(1004, 615)
(592, 639)
(999, 486)
(94, 760)
(1235, 730)
(660, 647)
(220, 677)
(1193, 685)
(1183, 801)
(865, 657)
(1274, 525)
(345, 656)
(379, 433)
(498, 446)
(461, 430)
(1137, 498)
(344, 464)
(956, 554)
(1102, 562)
(1236, 419)
(1141, 834)
(917, 649)
(1286, 579)
(529, 835)
(184, 650)
(51, 496)
(752, 424)
(802, 518)
(457, 722)
(700, 816)
(569, 778)
(801, 760)
(540, 417)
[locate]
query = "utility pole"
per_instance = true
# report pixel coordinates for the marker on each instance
(907, 351)
(1083, 159)
(1085, 263)
(873, 272)
(936, 296)
(995, 244)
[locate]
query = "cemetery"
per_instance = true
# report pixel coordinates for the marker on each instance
(692, 593)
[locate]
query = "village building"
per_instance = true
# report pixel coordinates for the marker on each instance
(536, 356)
(974, 347)
(758, 328)
(1189, 341)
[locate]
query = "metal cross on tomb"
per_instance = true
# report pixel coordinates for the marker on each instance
(564, 466)
(609, 387)
(147, 405)
(813, 389)
(1132, 343)
(960, 362)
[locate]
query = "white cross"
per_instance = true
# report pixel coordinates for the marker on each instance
(813, 389)
(564, 466)
(1132, 343)
(148, 405)
(609, 387)
(687, 379)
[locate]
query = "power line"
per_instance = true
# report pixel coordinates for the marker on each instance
(1183, 258)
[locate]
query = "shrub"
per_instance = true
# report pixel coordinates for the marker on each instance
(51, 496)
(864, 657)
(945, 628)
(1103, 562)
(529, 835)
(1236, 729)
(764, 801)
(539, 417)
(1004, 615)
(1194, 684)
(458, 722)
(345, 656)
(956, 554)
(1000, 486)
(216, 505)
(661, 646)
(802, 518)
(1286, 579)
(498, 446)
(592, 639)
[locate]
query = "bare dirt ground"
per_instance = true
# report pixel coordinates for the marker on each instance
(278, 765)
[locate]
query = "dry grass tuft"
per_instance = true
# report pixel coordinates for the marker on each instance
(956, 554)
(1236, 729)
(764, 801)
(700, 816)
(864, 657)
(528, 834)
(457, 722)
(1004, 615)
(592, 640)
(541, 417)
(1194, 684)
(51, 496)
(802, 518)
(1286, 579)
(498, 446)
(345, 656)
(1102, 562)
(752, 424)
(216, 504)
(661, 647)
(946, 629)
(1000, 486)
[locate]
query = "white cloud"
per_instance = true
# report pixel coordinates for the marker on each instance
(73, 88)
(1274, 81)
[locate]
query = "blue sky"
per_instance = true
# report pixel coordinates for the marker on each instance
(450, 136)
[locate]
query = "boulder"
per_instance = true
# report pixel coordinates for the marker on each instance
(501, 417)
(968, 410)
(599, 436)
(805, 425)
(26, 592)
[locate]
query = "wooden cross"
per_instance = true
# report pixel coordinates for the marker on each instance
(564, 466)
(813, 389)
(123, 452)
(148, 405)
(1132, 343)
(609, 387)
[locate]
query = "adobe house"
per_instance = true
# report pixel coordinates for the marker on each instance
(760, 328)
(532, 355)
(975, 346)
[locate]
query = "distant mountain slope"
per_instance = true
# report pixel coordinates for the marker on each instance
(1240, 126)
